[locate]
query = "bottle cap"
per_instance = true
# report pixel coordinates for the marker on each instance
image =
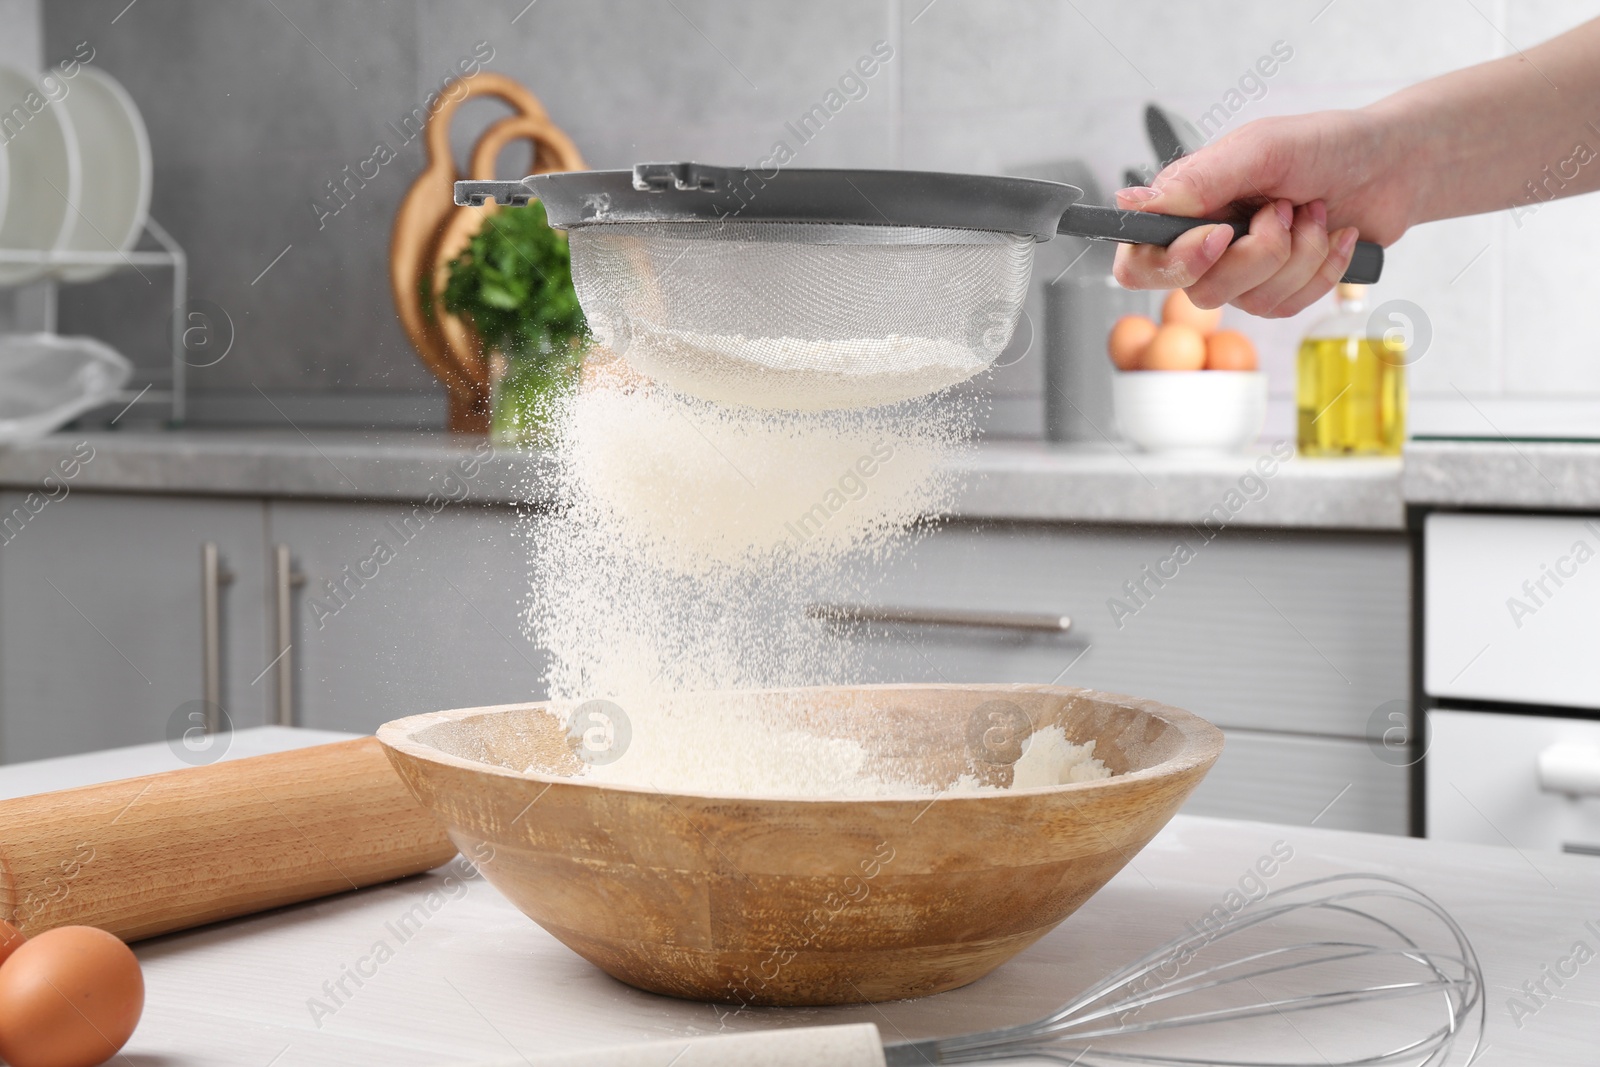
(1351, 291)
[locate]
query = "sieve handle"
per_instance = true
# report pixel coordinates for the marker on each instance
(1149, 228)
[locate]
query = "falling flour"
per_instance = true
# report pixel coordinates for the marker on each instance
(685, 544)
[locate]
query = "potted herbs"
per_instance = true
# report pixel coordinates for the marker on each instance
(513, 285)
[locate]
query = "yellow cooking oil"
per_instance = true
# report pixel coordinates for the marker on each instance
(1350, 392)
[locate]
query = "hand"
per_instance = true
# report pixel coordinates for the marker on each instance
(1316, 181)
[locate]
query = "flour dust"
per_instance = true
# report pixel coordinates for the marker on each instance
(690, 537)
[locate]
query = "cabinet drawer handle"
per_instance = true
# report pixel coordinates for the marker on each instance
(285, 579)
(1570, 767)
(213, 576)
(1028, 621)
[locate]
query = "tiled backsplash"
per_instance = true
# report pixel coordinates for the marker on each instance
(252, 108)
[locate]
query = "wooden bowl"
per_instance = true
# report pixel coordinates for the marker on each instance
(790, 901)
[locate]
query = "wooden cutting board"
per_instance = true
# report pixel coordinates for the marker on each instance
(417, 253)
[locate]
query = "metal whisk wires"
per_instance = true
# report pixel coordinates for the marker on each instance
(1358, 945)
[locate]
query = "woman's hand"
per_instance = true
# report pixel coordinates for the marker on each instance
(1316, 182)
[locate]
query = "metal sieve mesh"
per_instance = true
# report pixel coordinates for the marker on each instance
(798, 315)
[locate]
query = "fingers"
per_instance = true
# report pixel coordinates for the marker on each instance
(1276, 270)
(1207, 182)
(1214, 273)
(1342, 247)
(1309, 248)
(1177, 266)
(1251, 260)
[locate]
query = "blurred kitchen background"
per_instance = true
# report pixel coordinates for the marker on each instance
(202, 573)
(253, 108)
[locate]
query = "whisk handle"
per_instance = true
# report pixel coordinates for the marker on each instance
(1149, 228)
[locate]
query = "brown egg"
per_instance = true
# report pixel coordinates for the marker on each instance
(1230, 350)
(11, 939)
(69, 997)
(1128, 339)
(1175, 347)
(1179, 310)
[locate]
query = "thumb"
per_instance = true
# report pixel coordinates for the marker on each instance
(1202, 185)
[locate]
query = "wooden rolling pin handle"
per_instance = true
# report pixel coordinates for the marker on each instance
(145, 856)
(855, 1045)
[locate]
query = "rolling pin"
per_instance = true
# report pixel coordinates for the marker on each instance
(852, 1045)
(146, 856)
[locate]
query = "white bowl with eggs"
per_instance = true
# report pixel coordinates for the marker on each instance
(1190, 410)
(1184, 384)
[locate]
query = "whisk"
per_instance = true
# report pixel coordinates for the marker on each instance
(1368, 960)
(1157, 992)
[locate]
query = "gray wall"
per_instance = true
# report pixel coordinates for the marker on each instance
(252, 110)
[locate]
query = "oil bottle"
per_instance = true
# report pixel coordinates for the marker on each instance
(1350, 393)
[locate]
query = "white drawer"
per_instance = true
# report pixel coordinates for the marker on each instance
(1485, 786)
(1512, 608)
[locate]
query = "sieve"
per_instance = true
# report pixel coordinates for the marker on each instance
(816, 289)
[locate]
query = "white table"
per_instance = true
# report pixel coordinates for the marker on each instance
(477, 980)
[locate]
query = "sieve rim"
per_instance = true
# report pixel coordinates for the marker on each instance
(693, 192)
(807, 233)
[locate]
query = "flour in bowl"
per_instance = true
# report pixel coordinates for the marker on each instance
(686, 746)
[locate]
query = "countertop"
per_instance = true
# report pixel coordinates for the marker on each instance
(91, 768)
(477, 981)
(1504, 473)
(1003, 480)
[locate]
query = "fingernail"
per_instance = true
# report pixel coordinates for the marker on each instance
(1319, 213)
(1138, 194)
(1285, 213)
(1216, 241)
(1347, 240)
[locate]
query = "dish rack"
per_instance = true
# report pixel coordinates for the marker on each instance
(169, 255)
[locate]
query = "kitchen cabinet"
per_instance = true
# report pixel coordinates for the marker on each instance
(404, 610)
(1294, 642)
(1530, 780)
(1291, 641)
(1327, 782)
(1513, 608)
(101, 615)
(101, 637)
(1292, 632)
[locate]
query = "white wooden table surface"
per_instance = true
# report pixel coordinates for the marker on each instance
(468, 977)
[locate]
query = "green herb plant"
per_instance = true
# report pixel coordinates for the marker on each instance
(513, 284)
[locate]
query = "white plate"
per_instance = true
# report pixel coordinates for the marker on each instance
(45, 176)
(115, 151)
(47, 381)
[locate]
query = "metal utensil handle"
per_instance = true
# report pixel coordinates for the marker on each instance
(1149, 228)
(284, 580)
(213, 576)
(1030, 621)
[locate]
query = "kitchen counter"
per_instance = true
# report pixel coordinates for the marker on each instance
(1524, 475)
(472, 979)
(1004, 480)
